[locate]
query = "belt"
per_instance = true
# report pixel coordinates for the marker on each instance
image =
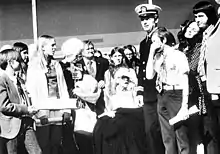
(172, 87)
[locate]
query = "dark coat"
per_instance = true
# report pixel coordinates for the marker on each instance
(102, 65)
(150, 92)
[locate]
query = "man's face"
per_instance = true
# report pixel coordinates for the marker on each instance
(148, 23)
(50, 47)
(201, 19)
(24, 55)
(88, 51)
(15, 65)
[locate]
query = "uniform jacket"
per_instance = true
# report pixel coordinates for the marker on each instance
(150, 92)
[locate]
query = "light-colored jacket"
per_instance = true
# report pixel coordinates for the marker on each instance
(38, 89)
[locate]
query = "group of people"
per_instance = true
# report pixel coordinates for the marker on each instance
(126, 101)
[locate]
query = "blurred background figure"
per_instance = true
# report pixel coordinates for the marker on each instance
(22, 48)
(132, 59)
(106, 56)
(97, 53)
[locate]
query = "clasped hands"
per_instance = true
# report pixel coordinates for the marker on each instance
(32, 110)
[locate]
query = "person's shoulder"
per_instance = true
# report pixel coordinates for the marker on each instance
(179, 56)
(102, 60)
(3, 74)
(143, 41)
(3, 77)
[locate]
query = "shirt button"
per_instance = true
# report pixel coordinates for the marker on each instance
(144, 78)
(143, 62)
(144, 70)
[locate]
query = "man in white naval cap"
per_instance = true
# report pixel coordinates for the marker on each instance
(147, 93)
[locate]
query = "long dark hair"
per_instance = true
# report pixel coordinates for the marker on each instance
(187, 42)
(134, 60)
(112, 67)
(163, 33)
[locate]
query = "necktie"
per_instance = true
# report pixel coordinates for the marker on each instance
(91, 69)
(22, 92)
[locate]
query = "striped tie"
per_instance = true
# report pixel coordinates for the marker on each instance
(90, 68)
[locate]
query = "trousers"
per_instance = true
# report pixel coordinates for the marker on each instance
(175, 139)
(152, 129)
(25, 142)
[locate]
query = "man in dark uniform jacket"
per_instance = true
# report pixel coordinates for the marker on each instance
(147, 94)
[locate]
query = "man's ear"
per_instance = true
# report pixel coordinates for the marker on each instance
(156, 20)
(164, 40)
(42, 48)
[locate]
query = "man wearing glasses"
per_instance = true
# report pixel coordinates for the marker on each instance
(147, 93)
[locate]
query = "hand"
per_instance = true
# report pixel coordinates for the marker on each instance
(32, 110)
(155, 47)
(139, 100)
(44, 120)
(66, 117)
(101, 84)
(183, 113)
